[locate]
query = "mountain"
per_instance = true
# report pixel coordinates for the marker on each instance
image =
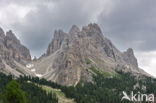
(92, 69)
(13, 55)
(81, 66)
(71, 56)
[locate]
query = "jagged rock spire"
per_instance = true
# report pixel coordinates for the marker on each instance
(2, 35)
(12, 49)
(68, 54)
(56, 41)
(74, 30)
(130, 58)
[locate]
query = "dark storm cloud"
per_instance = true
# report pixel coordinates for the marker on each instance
(131, 23)
(37, 28)
(128, 23)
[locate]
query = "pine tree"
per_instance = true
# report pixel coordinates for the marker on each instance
(13, 93)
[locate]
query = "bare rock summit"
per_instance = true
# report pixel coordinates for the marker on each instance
(70, 56)
(13, 55)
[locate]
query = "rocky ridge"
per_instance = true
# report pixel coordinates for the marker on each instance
(70, 57)
(13, 55)
(65, 61)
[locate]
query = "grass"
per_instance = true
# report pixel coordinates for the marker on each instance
(56, 91)
(88, 61)
(97, 71)
(61, 96)
(19, 70)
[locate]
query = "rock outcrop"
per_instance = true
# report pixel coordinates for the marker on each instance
(2, 66)
(16, 50)
(12, 53)
(70, 57)
(2, 49)
(57, 41)
(130, 58)
(68, 53)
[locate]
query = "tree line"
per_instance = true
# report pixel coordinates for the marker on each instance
(101, 90)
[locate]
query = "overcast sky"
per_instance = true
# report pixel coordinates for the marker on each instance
(128, 23)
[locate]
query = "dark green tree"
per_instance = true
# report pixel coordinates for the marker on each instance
(13, 93)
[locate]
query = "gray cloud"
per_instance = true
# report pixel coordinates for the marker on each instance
(128, 23)
(131, 23)
(37, 27)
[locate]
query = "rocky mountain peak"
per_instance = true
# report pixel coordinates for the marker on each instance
(58, 34)
(92, 27)
(14, 50)
(56, 42)
(2, 35)
(130, 58)
(93, 30)
(11, 40)
(67, 55)
(74, 30)
(13, 55)
(95, 27)
(130, 52)
(11, 36)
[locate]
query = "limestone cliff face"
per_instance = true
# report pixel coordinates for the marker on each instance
(2, 36)
(16, 50)
(12, 52)
(67, 55)
(57, 41)
(2, 48)
(2, 66)
(130, 58)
